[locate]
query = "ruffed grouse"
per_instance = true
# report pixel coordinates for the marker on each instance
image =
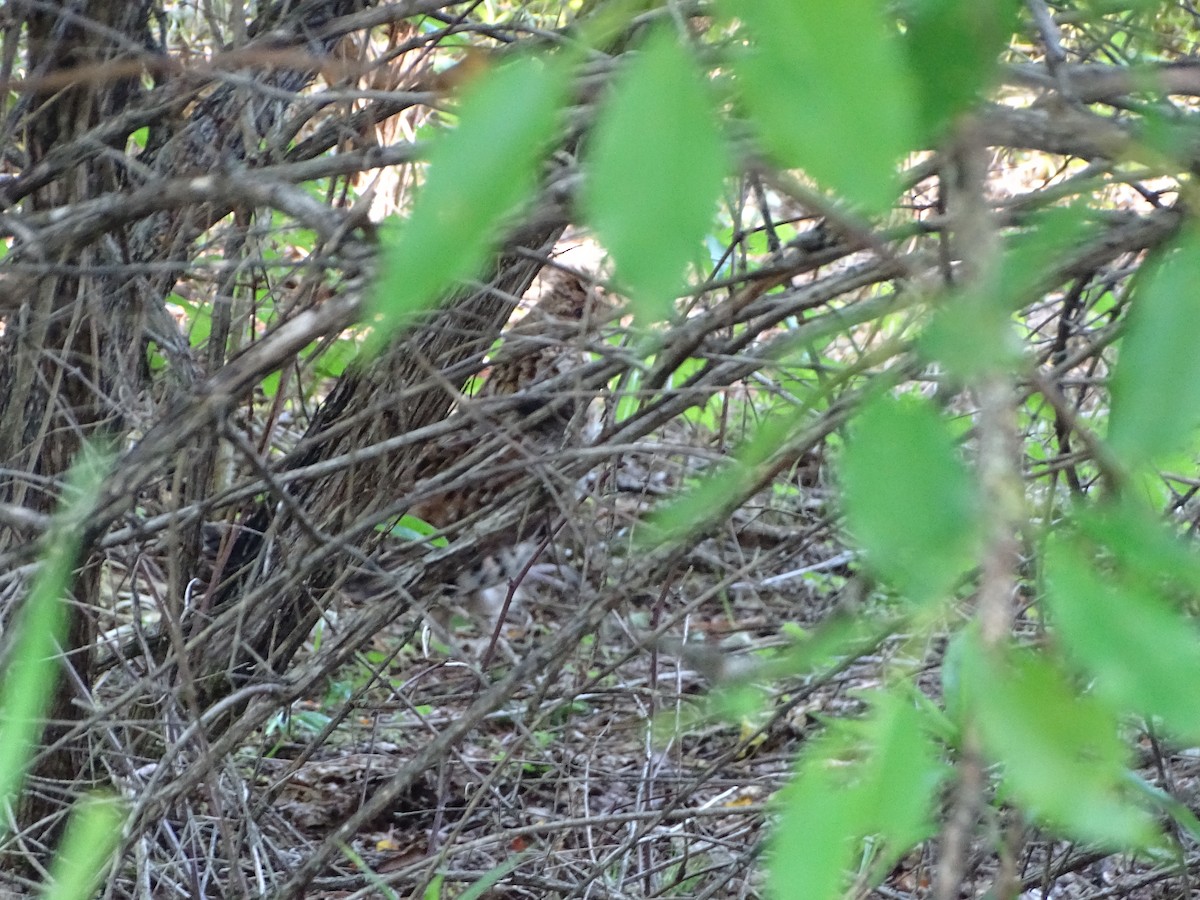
(523, 411)
(526, 407)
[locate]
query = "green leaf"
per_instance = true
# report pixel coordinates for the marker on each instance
(952, 681)
(900, 777)
(1145, 656)
(29, 678)
(1166, 804)
(88, 844)
(836, 639)
(628, 400)
(972, 332)
(813, 844)
(479, 175)
(1061, 755)
(1171, 136)
(1156, 385)
(481, 887)
(828, 90)
(434, 890)
(710, 500)
(876, 777)
(1142, 545)
(903, 771)
(954, 53)
(414, 528)
(910, 500)
(654, 173)
(1029, 255)
(739, 702)
(308, 722)
(337, 356)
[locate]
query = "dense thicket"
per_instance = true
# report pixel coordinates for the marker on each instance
(192, 196)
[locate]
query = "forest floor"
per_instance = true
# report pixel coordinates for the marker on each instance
(645, 764)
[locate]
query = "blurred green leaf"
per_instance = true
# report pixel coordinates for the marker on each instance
(1142, 545)
(835, 640)
(27, 684)
(308, 722)
(480, 173)
(434, 890)
(972, 334)
(481, 887)
(1165, 803)
(1156, 385)
(877, 777)
(1062, 758)
(909, 498)
(1164, 130)
(91, 837)
(954, 52)
(1031, 253)
(952, 680)
(337, 356)
(739, 702)
(901, 774)
(628, 401)
(652, 201)
(813, 844)
(1145, 656)
(829, 92)
(30, 675)
(709, 500)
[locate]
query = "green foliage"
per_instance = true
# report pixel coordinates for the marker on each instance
(955, 334)
(1117, 624)
(413, 528)
(876, 778)
(1156, 387)
(28, 683)
(710, 499)
(300, 724)
(1060, 753)
(843, 92)
(1029, 254)
(829, 92)
(468, 195)
(333, 361)
(651, 201)
(91, 836)
(909, 498)
(954, 52)
(971, 332)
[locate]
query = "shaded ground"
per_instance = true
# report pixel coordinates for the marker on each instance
(608, 773)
